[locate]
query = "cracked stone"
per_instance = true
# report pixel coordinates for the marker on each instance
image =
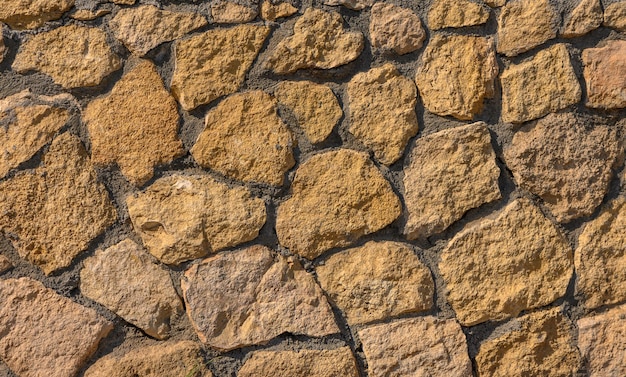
(301, 363)
(525, 24)
(605, 75)
(396, 29)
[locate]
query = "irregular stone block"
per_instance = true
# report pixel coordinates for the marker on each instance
(456, 13)
(605, 75)
(396, 29)
(602, 342)
(352, 4)
(615, 16)
(525, 24)
(31, 14)
(227, 12)
(587, 16)
(272, 12)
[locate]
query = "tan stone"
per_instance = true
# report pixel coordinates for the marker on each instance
(382, 111)
(587, 16)
(318, 363)
(457, 73)
(183, 217)
(396, 29)
(495, 3)
(53, 212)
(227, 12)
(123, 125)
(249, 297)
(338, 196)
(318, 41)
(5, 264)
(525, 24)
(3, 48)
(89, 15)
(544, 84)
(214, 63)
(605, 75)
(571, 176)
(456, 13)
(124, 2)
(421, 347)
(542, 344)
(272, 12)
(448, 173)
(503, 264)
(43, 333)
(352, 4)
(602, 342)
(615, 16)
(31, 14)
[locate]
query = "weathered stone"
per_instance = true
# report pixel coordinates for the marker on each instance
(587, 16)
(571, 176)
(43, 333)
(615, 16)
(227, 12)
(54, 211)
(5, 264)
(315, 106)
(318, 363)
(3, 48)
(495, 3)
(448, 173)
(31, 14)
(272, 12)
(391, 349)
(89, 15)
(248, 297)
(318, 41)
(338, 196)
(457, 73)
(74, 56)
(124, 2)
(184, 217)
(456, 13)
(352, 4)
(605, 75)
(545, 84)
(602, 342)
(525, 24)
(143, 28)
(489, 276)
(541, 344)
(382, 111)
(396, 29)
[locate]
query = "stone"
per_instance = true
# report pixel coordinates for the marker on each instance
(249, 297)
(456, 13)
(53, 212)
(539, 86)
(214, 64)
(315, 106)
(491, 277)
(615, 16)
(457, 73)
(89, 15)
(124, 2)
(605, 75)
(541, 344)
(396, 29)
(391, 348)
(184, 217)
(495, 3)
(382, 111)
(352, 4)
(122, 128)
(227, 12)
(524, 25)
(44, 333)
(5, 264)
(125, 280)
(3, 48)
(376, 281)
(31, 14)
(319, 40)
(602, 342)
(272, 12)
(447, 174)
(318, 363)
(143, 28)
(337, 197)
(571, 176)
(587, 16)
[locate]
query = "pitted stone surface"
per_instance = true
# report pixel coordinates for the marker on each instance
(228, 12)
(352, 4)
(5, 264)
(396, 29)
(301, 363)
(525, 24)
(88, 15)
(605, 75)
(602, 342)
(615, 15)
(272, 12)
(456, 13)
(587, 16)
(31, 14)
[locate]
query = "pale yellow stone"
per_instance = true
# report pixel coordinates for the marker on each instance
(89, 15)
(301, 363)
(272, 12)
(605, 75)
(228, 12)
(587, 16)
(456, 13)
(525, 24)
(397, 29)
(602, 342)
(31, 14)
(615, 15)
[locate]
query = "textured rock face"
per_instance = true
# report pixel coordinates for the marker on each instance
(602, 342)
(43, 333)
(352, 4)
(54, 211)
(31, 14)
(244, 139)
(88, 15)
(248, 297)
(448, 173)
(571, 176)
(605, 75)
(74, 56)
(5, 264)
(615, 16)
(318, 41)
(185, 217)
(456, 13)
(376, 281)
(396, 29)
(272, 12)
(525, 24)
(491, 277)
(391, 349)
(546, 83)
(457, 73)
(227, 12)
(338, 196)
(318, 363)
(214, 63)
(587, 16)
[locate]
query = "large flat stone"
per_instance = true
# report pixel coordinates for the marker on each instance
(31, 14)
(605, 75)
(602, 342)
(396, 29)
(525, 24)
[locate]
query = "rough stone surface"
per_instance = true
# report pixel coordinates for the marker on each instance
(602, 342)
(587, 16)
(89, 15)
(391, 349)
(352, 4)
(495, 3)
(124, 2)
(318, 363)
(448, 173)
(272, 12)
(545, 84)
(571, 176)
(228, 12)
(183, 217)
(43, 333)
(338, 196)
(605, 75)
(249, 296)
(615, 15)
(122, 125)
(31, 14)
(74, 56)
(54, 211)
(244, 139)
(491, 277)
(456, 13)
(3, 48)
(318, 41)
(396, 29)
(457, 73)
(214, 64)
(5, 264)
(525, 24)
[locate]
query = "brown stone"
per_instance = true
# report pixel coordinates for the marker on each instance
(31, 14)
(183, 217)
(338, 196)
(352, 4)
(228, 12)
(317, 363)
(249, 297)
(571, 176)
(525, 24)
(587, 16)
(272, 12)
(318, 41)
(448, 173)
(615, 15)
(391, 349)
(5, 264)
(602, 342)
(605, 75)
(503, 264)
(3, 48)
(495, 3)
(43, 333)
(53, 212)
(89, 15)
(456, 13)
(396, 29)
